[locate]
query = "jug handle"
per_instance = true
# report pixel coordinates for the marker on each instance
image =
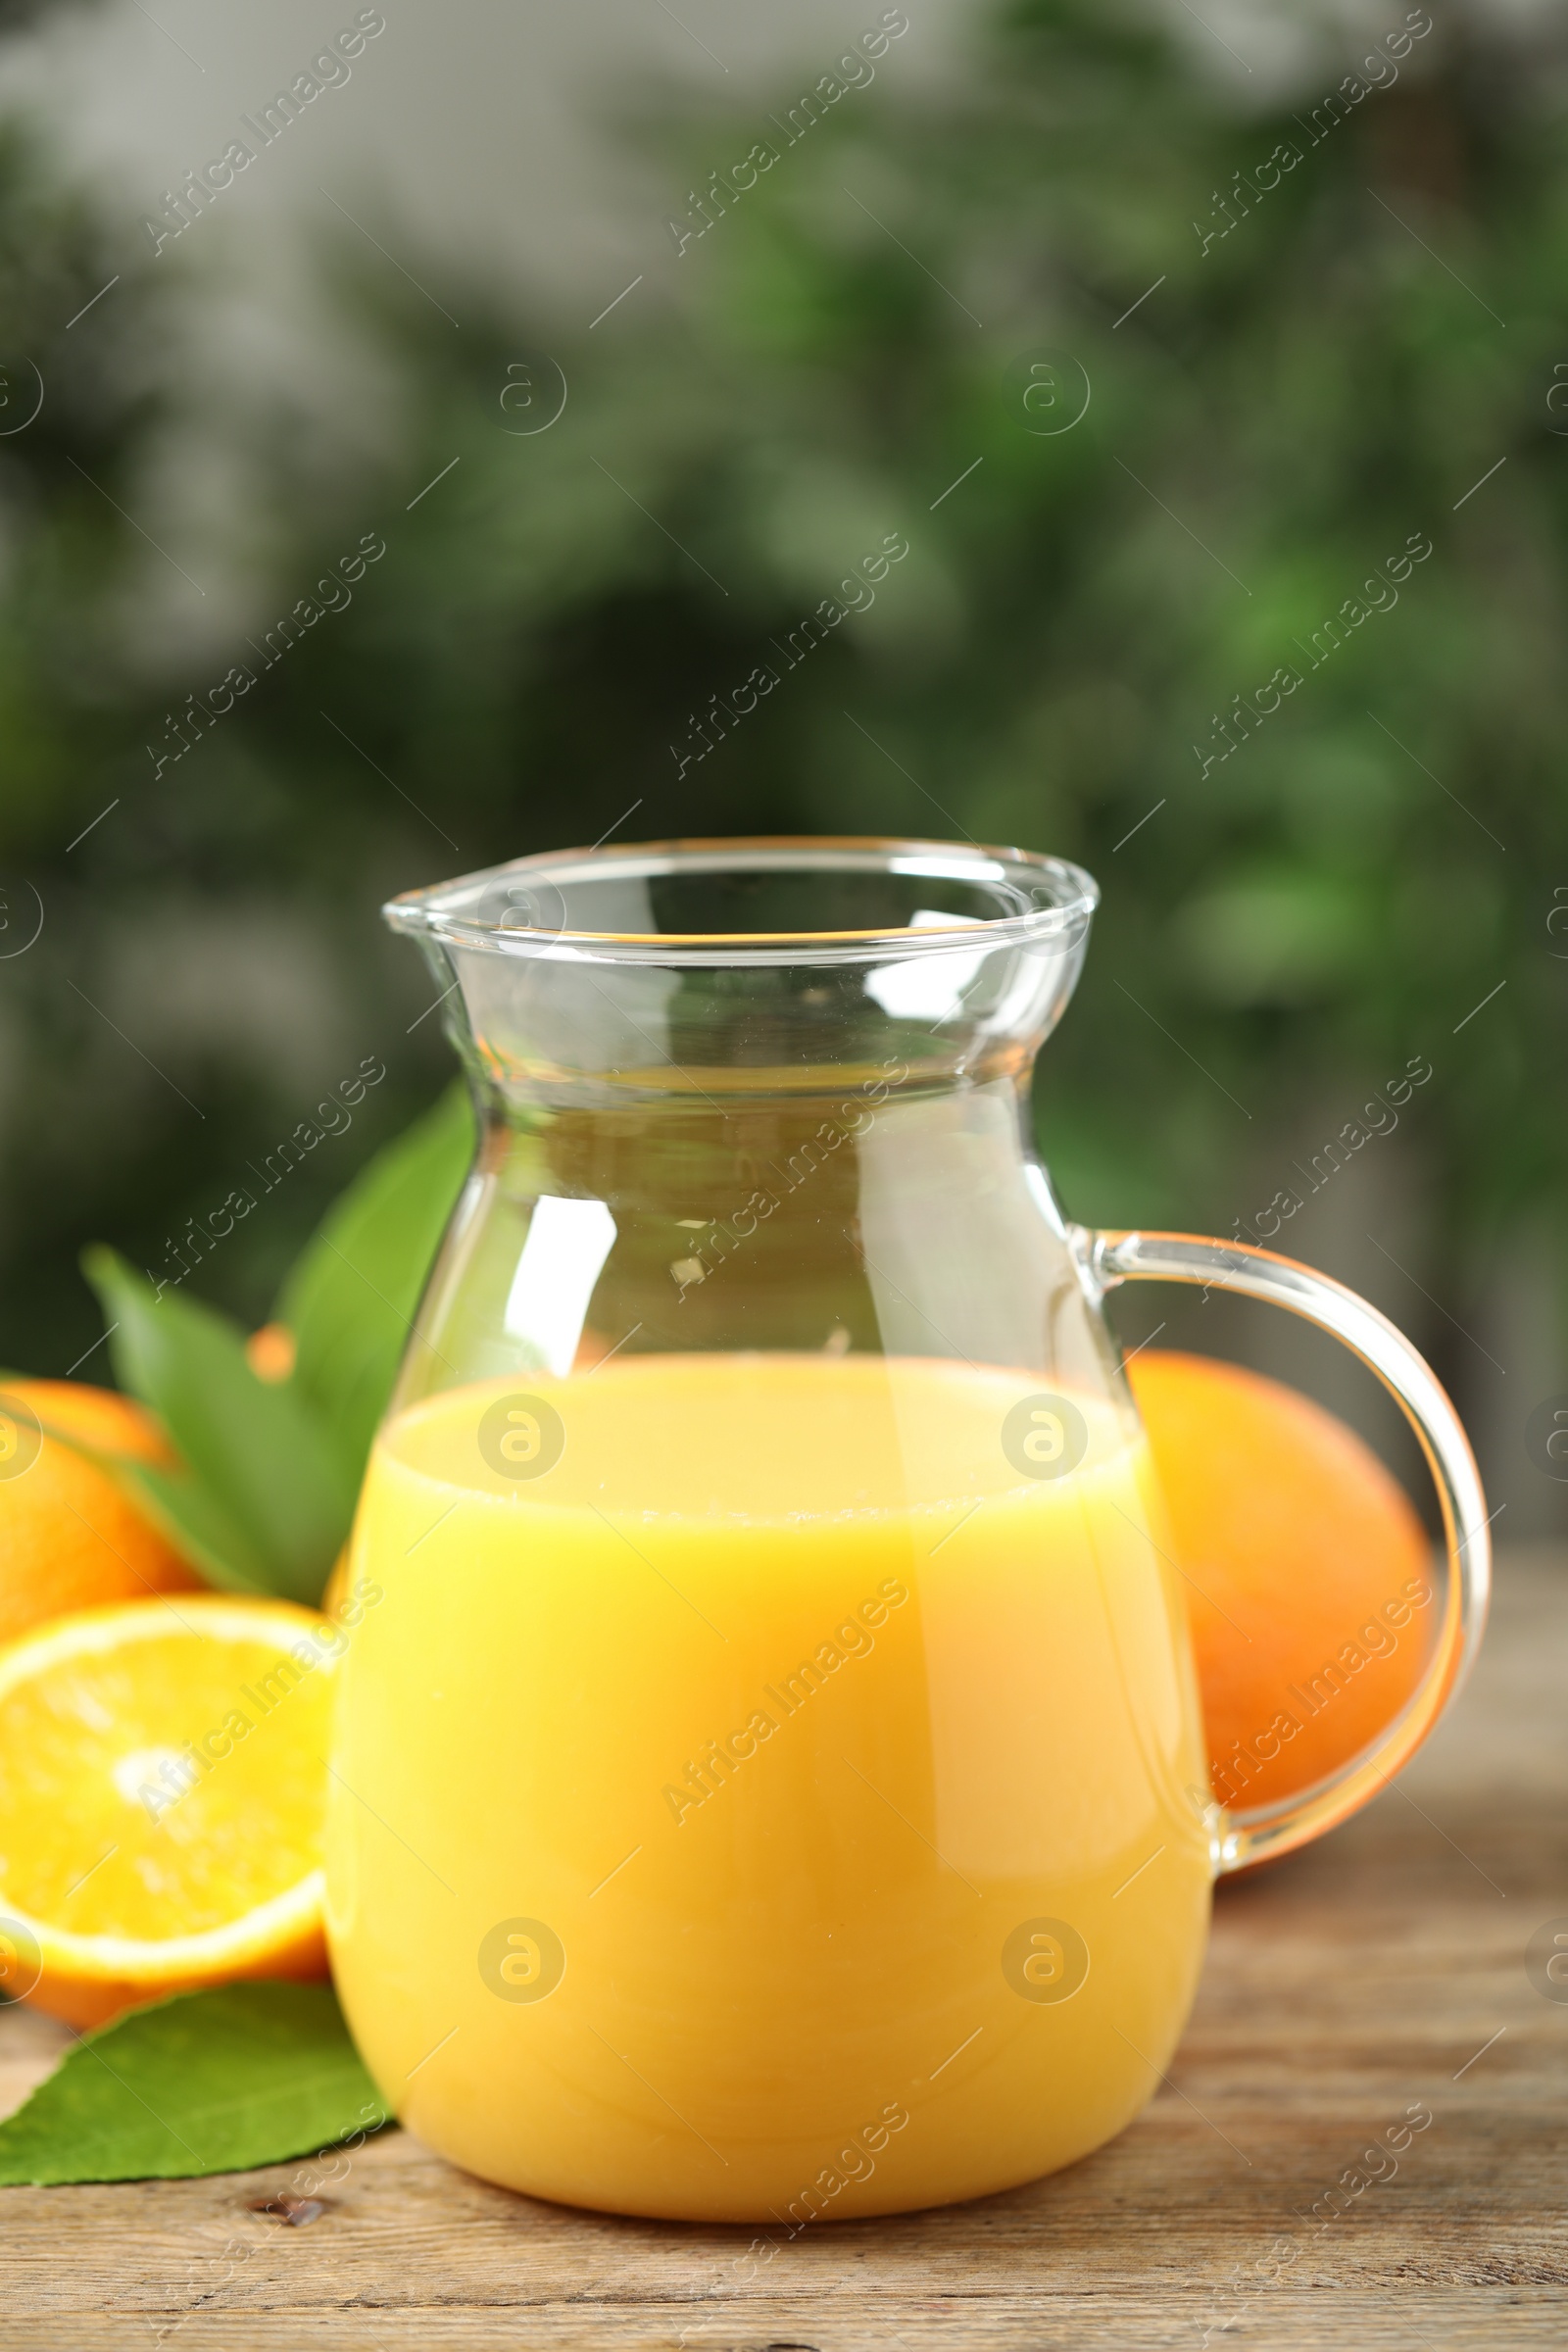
(1263, 1832)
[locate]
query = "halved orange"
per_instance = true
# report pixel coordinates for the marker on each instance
(162, 1791)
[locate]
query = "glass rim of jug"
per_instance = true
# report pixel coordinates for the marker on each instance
(1044, 904)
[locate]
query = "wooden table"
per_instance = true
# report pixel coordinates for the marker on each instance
(1381, 1969)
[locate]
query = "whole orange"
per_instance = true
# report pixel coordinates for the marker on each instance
(1308, 1574)
(70, 1536)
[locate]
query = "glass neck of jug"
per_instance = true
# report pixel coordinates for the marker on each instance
(710, 1055)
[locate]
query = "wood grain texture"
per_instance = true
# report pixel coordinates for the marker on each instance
(1343, 1985)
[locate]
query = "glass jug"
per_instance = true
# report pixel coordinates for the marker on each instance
(769, 1782)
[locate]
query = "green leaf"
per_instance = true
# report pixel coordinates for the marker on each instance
(268, 1502)
(200, 1527)
(351, 1296)
(203, 2083)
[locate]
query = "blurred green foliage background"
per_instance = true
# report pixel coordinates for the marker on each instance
(1275, 408)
